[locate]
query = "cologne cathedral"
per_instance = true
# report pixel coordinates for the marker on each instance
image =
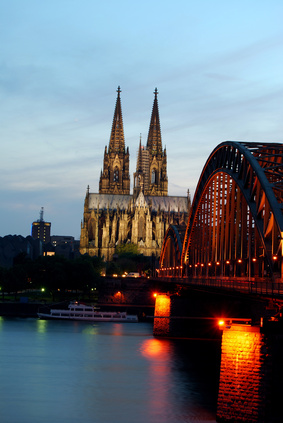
(114, 216)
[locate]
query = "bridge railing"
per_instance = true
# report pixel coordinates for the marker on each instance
(260, 286)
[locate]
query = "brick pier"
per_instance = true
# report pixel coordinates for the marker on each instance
(250, 375)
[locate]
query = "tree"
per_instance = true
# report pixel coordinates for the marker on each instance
(126, 249)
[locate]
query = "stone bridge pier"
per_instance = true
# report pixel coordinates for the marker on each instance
(251, 370)
(196, 312)
(250, 385)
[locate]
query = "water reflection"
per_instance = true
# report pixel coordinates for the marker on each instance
(41, 325)
(101, 373)
(183, 379)
(159, 355)
(155, 349)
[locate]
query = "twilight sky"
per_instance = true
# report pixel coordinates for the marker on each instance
(218, 67)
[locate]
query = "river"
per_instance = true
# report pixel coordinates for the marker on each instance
(70, 372)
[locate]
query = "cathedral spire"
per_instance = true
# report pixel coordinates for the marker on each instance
(154, 143)
(156, 181)
(139, 159)
(115, 178)
(117, 140)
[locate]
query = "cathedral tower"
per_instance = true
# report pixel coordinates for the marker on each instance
(115, 177)
(151, 172)
(158, 181)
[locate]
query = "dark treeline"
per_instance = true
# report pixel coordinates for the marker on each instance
(53, 274)
(56, 275)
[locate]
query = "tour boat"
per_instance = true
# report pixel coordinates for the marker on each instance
(79, 311)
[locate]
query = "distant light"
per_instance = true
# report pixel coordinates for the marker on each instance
(209, 264)
(274, 258)
(240, 261)
(217, 263)
(221, 323)
(227, 262)
(254, 259)
(42, 289)
(155, 295)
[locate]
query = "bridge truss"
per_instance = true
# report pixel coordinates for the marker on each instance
(235, 228)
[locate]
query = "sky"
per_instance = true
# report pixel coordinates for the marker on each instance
(217, 65)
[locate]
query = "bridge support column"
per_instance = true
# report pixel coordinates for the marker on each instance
(250, 386)
(162, 309)
(180, 317)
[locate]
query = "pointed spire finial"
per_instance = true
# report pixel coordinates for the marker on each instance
(154, 143)
(118, 90)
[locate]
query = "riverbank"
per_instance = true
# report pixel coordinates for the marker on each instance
(24, 308)
(19, 308)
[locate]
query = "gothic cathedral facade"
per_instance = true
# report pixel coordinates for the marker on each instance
(114, 216)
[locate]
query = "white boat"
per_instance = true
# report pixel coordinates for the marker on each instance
(79, 311)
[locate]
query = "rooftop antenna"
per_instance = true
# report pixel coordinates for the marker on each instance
(41, 215)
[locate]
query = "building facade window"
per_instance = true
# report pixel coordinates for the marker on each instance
(116, 174)
(153, 176)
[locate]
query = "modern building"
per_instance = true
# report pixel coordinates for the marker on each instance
(41, 229)
(57, 240)
(114, 216)
(65, 245)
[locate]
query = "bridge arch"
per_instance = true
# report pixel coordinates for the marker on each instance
(171, 254)
(235, 228)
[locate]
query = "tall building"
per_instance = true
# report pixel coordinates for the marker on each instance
(41, 229)
(114, 216)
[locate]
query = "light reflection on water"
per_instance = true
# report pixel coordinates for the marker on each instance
(103, 373)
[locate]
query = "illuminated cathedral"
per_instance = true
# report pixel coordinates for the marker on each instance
(114, 216)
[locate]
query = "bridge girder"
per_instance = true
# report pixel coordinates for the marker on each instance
(236, 219)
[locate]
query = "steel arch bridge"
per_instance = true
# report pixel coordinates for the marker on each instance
(235, 228)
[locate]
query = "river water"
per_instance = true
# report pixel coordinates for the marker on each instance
(72, 372)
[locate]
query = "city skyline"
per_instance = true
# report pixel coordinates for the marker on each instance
(217, 68)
